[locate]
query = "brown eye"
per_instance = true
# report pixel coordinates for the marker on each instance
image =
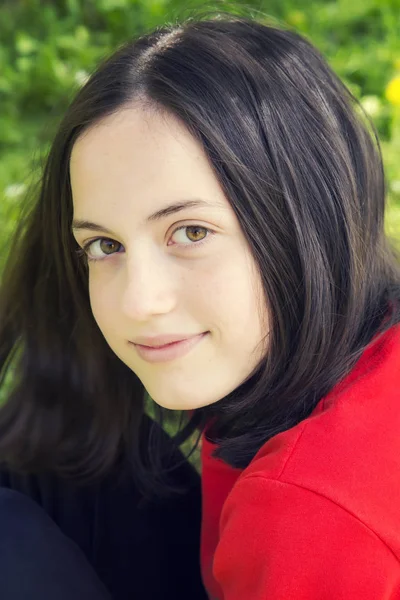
(100, 248)
(195, 233)
(189, 235)
(108, 246)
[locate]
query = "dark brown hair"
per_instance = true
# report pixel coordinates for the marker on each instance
(305, 179)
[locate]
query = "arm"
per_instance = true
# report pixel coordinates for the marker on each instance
(279, 541)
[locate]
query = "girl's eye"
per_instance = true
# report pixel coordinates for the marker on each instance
(100, 247)
(195, 233)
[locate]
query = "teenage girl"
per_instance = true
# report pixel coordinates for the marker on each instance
(209, 230)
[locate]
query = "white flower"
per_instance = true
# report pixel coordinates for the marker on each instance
(81, 77)
(395, 186)
(372, 105)
(14, 190)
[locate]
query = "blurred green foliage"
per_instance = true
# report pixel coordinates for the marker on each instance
(49, 47)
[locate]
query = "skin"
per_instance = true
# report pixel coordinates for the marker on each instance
(151, 279)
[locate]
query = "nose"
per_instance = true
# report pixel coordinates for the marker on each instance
(148, 287)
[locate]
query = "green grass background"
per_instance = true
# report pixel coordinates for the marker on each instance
(48, 48)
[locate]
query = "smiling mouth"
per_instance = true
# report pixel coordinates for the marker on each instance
(163, 345)
(170, 351)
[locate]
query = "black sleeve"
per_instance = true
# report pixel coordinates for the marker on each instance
(37, 561)
(144, 551)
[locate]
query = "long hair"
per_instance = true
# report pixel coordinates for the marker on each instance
(302, 172)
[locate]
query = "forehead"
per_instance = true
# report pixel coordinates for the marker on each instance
(132, 139)
(144, 159)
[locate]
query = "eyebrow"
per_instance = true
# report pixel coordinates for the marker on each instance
(156, 216)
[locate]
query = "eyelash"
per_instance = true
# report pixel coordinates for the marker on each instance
(84, 250)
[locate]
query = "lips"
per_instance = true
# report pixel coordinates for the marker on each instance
(160, 341)
(163, 346)
(169, 352)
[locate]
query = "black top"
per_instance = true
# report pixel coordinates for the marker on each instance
(139, 551)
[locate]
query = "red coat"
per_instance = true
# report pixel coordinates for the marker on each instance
(316, 514)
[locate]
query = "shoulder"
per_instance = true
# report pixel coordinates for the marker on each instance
(281, 541)
(322, 498)
(348, 450)
(326, 490)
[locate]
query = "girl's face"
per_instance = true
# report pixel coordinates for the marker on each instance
(185, 272)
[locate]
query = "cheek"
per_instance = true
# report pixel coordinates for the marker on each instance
(101, 302)
(236, 294)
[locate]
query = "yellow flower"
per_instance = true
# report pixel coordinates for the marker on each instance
(296, 18)
(392, 91)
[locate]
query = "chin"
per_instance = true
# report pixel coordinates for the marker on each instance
(175, 404)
